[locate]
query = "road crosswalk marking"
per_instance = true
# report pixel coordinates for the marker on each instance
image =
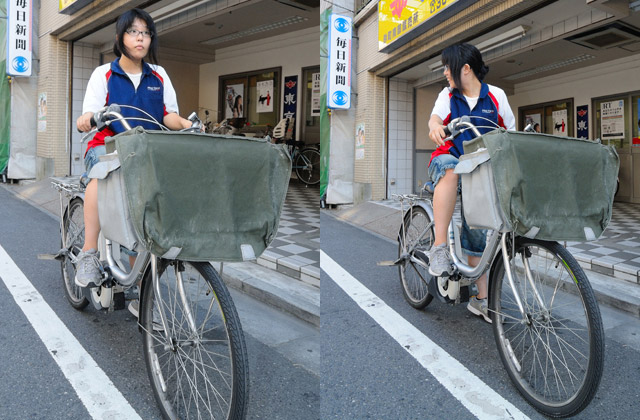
(94, 388)
(476, 396)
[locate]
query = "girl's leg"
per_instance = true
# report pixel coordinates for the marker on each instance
(481, 283)
(444, 203)
(91, 221)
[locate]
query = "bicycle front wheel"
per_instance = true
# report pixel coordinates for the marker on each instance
(198, 368)
(307, 166)
(73, 225)
(417, 233)
(555, 354)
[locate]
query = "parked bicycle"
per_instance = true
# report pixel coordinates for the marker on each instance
(545, 317)
(194, 346)
(306, 159)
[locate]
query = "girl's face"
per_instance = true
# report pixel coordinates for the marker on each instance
(137, 45)
(447, 74)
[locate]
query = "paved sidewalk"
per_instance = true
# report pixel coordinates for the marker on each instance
(286, 276)
(612, 263)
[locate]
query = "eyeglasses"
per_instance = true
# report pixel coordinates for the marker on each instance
(134, 33)
(445, 68)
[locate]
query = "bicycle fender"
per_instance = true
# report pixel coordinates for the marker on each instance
(427, 208)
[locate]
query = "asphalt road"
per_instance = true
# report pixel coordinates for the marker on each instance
(367, 374)
(283, 351)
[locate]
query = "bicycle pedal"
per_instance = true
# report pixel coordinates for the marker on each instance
(387, 263)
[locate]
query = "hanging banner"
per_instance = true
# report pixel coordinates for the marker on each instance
(612, 120)
(315, 95)
(559, 122)
(19, 14)
(42, 112)
(635, 142)
(233, 101)
(291, 99)
(582, 118)
(339, 50)
(360, 141)
(265, 100)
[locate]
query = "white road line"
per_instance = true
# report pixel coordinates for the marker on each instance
(96, 391)
(482, 401)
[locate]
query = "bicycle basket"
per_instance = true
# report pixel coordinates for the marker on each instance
(549, 187)
(203, 197)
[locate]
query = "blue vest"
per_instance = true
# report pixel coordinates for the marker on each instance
(487, 107)
(149, 96)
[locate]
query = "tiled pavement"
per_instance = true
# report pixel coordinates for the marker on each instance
(617, 252)
(296, 249)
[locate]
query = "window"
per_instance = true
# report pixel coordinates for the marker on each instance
(253, 96)
(551, 118)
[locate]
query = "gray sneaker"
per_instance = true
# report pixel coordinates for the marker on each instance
(88, 269)
(440, 261)
(479, 307)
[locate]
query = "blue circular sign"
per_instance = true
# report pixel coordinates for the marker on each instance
(20, 64)
(341, 24)
(340, 98)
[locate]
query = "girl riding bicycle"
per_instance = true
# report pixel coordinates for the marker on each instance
(128, 80)
(466, 95)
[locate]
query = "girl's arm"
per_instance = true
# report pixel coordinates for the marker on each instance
(175, 121)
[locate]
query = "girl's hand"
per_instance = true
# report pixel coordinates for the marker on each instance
(84, 122)
(436, 133)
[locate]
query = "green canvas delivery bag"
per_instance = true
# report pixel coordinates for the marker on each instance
(540, 186)
(202, 197)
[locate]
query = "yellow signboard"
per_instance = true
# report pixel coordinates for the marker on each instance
(399, 18)
(69, 7)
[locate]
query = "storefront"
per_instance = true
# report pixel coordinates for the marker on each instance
(266, 50)
(571, 67)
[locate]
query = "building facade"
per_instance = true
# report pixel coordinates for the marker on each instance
(571, 66)
(210, 49)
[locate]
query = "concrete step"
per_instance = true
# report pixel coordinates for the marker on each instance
(274, 288)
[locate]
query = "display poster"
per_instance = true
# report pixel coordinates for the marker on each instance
(315, 95)
(19, 26)
(360, 141)
(533, 119)
(290, 100)
(339, 63)
(612, 120)
(42, 112)
(582, 118)
(233, 101)
(559, 119)
(265, 96)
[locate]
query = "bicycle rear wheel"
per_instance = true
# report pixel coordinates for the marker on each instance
(73, 224)
(555, 355)
(307, 166)
(200, 368)
(414, 277)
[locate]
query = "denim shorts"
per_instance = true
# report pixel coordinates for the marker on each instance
(90, 159)
(472, 241)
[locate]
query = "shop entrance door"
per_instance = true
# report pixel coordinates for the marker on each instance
(311, 105)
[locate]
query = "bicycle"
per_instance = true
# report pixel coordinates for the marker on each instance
(194, 346)
(544, 314)
(306, 160)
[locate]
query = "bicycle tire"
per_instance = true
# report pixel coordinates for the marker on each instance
(215, 356)
(413, 277)
(308, 166)
(556, 357)
(73, 224)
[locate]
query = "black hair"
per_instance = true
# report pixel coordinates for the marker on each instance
(457, 55)
(124, 22)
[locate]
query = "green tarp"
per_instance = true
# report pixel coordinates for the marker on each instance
(5, 92)
(203, 197)
(549, 187)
